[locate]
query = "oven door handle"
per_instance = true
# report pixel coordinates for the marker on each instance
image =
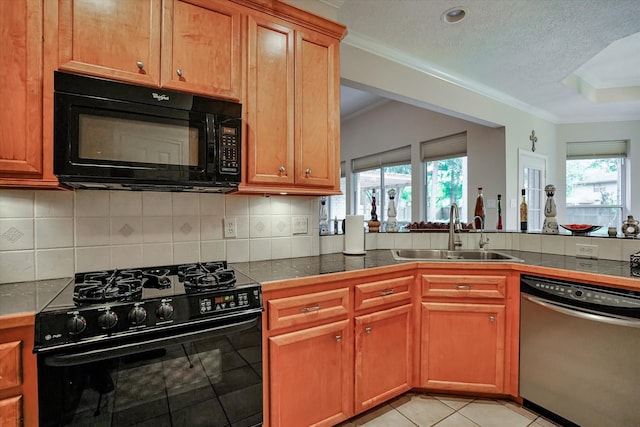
(98, 354)
(561, 308)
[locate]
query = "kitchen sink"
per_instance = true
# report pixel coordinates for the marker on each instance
(456, 255)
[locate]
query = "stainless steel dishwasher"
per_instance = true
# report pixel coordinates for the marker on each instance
(580, 352)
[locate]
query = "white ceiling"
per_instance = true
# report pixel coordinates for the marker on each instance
(564, 60)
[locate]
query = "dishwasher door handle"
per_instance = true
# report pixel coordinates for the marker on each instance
(619, 321)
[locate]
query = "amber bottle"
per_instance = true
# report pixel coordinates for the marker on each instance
(479, 210)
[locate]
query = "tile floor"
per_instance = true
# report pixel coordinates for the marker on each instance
(426, 410)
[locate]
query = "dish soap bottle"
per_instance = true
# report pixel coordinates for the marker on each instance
(479, 210)
(523, 213)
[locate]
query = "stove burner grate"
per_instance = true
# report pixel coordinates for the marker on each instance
(206, 276)
(103, 286)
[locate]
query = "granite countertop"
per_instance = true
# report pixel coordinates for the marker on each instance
(290, 268)
(31, 297)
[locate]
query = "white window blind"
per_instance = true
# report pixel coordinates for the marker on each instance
(446, 147)
(398, 156)
(596, 149)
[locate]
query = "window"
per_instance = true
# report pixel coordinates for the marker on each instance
(596, 176)
(445, 163)
(382, 172)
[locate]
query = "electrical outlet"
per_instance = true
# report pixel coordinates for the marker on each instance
(586, 251)
(300, 225)
(230, 227)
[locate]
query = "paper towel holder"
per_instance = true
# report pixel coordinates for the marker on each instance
(353, 245)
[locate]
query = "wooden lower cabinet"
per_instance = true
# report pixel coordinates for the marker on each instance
(383, 356)
(18, 372)
(463, 347)
(311, 376)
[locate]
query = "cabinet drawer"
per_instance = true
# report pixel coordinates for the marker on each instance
(435, 285)
(304, 309)
(10, 366)
(374, 294)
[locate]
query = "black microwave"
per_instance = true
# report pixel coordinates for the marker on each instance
(113, 135)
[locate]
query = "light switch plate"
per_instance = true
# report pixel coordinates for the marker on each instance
(586, 251)
(300, 225)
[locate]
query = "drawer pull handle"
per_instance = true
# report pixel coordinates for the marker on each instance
(367, 329)
(310, 309)
(338, 338)
(386, 292)
(464, 287)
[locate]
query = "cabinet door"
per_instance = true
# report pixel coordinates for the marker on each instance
(115, 39)
(21, 89)
(317, 110)
(463, 347)
(383, 356)
(270, 100)
(310, 376)
(201, 47)
(11, 412)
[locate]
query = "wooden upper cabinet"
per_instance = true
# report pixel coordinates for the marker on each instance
(21, 89)
(270, 99)
(317, 110)
(201, 47)
(292, 106)
(112, 39)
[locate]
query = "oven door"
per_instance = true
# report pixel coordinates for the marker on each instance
(208, 377)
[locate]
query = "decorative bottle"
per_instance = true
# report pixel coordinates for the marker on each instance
(392, 222)
(479, 210)
(324, 217)
(374, 224)
(550, 225)
(523, 212)
(499, 225)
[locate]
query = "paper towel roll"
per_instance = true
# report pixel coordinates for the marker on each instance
(354, 235)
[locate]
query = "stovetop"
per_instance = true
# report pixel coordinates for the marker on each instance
(126, 302)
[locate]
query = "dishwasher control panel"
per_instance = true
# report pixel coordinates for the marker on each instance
(596, 295)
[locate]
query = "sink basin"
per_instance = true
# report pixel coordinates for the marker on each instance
(457, 255)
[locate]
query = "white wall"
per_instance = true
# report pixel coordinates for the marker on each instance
(368, 71)
(395, 124)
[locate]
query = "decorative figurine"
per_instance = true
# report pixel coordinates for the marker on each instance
(324, 217)
(630, 227)
(499, 225)
(374, 224)
(392, 222)
(550, 225)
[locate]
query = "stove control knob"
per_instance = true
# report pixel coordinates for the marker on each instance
(107, 320)
(137, 315)
(165, 311)
(76, 325)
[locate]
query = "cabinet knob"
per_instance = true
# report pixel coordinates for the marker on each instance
(179, 72)
(282, 169)
(140, 64)
(338, 338)
(492, 318)
(367, 329)
(308, 172)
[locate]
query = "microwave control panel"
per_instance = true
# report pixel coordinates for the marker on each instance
(229, 150)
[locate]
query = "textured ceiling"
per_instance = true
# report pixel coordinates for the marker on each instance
(516, 51)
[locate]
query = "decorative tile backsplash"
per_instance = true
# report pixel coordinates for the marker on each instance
(51, 234)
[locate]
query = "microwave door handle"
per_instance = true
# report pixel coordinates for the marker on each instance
(99, 354)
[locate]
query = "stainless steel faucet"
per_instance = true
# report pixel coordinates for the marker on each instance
(482, 243)
(454, 227)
